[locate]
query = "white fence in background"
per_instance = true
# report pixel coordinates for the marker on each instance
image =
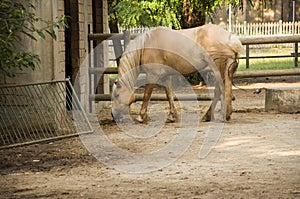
(249, 29)
(268, 28)
(246, 29)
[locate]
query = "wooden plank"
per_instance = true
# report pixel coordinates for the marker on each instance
(239, 74)
(270, 39)
(106, 36)
(155, 97)
(98, 70)
(268, 56)
(267, 73)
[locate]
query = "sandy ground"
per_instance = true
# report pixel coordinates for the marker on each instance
(256, 156)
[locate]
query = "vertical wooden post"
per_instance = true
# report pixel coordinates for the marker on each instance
(89, 66)
(117, 45)
(247, 56)
(126, 38)
(296, 55)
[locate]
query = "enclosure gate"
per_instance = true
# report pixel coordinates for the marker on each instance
(32, 113)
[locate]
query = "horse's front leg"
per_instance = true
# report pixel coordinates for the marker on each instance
(172, 117)
(142, 117)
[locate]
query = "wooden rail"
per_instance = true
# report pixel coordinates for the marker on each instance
(109, 70)
(250, 40)
(155, 97)
(270, 39)
(267, 73)
(111, 36)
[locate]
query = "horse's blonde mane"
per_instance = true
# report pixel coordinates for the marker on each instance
(130, 61)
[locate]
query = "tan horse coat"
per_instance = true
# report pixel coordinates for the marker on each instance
(162, 51)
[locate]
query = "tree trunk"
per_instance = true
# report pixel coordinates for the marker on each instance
(113, 25)
(191, 17)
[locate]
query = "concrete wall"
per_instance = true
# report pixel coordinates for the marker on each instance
(52, 53)
(283, 100)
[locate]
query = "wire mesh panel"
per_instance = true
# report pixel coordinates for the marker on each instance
(37, 112)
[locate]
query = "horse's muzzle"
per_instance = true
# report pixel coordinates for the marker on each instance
(117, 117)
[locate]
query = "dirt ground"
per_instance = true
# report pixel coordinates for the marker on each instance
(257, 156)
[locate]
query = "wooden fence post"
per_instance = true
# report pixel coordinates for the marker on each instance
(296, 55)
(247, 56)
(126, 38)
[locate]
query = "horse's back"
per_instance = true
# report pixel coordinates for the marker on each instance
(175, 49)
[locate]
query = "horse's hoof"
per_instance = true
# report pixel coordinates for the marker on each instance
(170, 120)
(142, 119)
(139, 119)
(206, 118)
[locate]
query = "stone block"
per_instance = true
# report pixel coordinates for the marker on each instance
(283, 100)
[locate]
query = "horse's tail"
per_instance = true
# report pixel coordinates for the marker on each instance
(237, 47)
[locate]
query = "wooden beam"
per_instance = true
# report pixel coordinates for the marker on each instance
(266, 73)
(155, 97)
(270, 40)
(105, 36)
(98, 70)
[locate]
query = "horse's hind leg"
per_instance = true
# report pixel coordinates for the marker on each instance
(209, 115)
(172, 117)
(142, 117)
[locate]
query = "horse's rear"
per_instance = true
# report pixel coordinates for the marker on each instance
(224, 49)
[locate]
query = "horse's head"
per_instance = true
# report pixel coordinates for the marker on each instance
(122, 98)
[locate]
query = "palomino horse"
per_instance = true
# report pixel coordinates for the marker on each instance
(161, 51)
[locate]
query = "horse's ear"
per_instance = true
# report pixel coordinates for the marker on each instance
(117, 83)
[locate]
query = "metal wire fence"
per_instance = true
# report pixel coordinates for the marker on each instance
(32, 113)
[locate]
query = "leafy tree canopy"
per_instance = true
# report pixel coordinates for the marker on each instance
(172, 13)
(148, 13)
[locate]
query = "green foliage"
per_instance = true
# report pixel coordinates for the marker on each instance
(171, 13)
(147, 13)
(17, 19)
